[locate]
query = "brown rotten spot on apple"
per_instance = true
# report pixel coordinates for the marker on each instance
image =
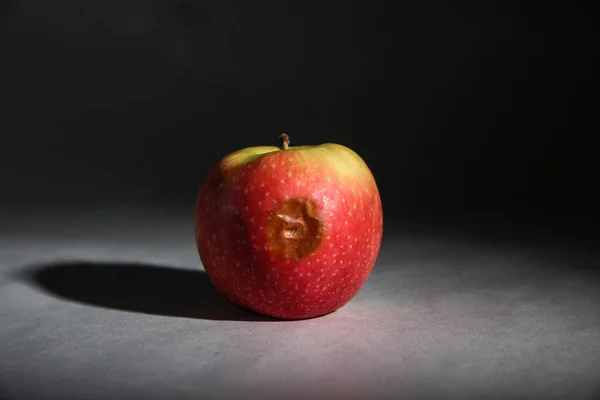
(294, 229)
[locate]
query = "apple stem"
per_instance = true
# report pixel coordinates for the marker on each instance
(285, 140)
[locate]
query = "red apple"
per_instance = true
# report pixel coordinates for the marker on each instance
(290, 232)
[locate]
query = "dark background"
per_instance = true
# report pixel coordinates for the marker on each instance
(472, 111)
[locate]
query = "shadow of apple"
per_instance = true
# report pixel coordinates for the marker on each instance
(140, 288)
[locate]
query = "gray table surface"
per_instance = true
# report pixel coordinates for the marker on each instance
(113, 304)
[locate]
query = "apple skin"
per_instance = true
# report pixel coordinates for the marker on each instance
(289, 233)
